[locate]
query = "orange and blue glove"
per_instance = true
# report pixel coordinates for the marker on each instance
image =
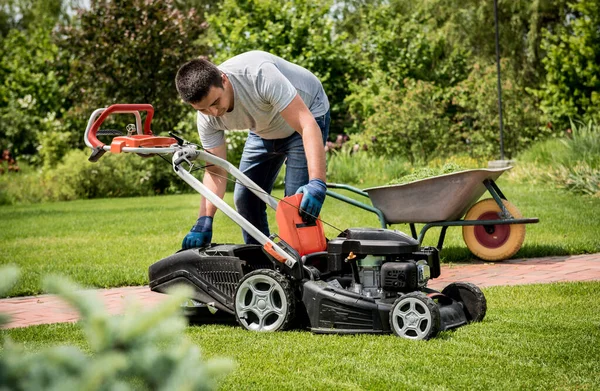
(312, 200)
(200, 235)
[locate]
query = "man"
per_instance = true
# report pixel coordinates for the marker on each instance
(287, 112)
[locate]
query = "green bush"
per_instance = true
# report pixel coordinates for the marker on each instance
(572, 82)
(31, 90)
(477, 116)
(139, 350)
(410, 122)
(123, 175)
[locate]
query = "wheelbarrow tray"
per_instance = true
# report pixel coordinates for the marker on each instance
(441, 198)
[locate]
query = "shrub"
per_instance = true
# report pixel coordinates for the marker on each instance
(572, 82)
(477, 116)
(31, 90)
(139, 350)
(411, 122)
(123, 175)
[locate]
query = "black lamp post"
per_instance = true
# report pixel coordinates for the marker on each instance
(499, 82)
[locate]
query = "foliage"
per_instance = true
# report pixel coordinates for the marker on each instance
(29, 15)
(140, 350)
(300, 31)
(398, 43)
(470, 24)
(410, 122)
(32, 93)
(121, 51)
(571, 163)
(476, 101)
(572, 64)
(418, 78)
(76, 178)
(236, 139)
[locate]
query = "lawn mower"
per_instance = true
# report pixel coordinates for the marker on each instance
(365, 280)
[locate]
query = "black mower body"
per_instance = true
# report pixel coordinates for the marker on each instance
(389, 262)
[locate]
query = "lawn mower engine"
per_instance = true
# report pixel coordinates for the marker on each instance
(380, 287)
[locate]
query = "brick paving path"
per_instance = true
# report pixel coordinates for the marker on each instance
(44, 309)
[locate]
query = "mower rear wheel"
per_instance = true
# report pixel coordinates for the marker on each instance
(264, 301)
(471, 297)
(415, 316)
(493, 242)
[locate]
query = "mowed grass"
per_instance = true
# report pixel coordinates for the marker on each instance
(533, 337)
(112, 242)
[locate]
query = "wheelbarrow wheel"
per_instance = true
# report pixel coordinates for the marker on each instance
(493, 242)
(265, 301)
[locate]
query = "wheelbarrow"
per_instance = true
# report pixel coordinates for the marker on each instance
(493, 229)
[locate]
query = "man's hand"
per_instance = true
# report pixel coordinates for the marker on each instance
(312, 200)
(200, 234)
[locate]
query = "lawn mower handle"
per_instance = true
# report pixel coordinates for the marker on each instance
(98, 117)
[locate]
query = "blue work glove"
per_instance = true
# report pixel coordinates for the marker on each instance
(200, 234)
(312, 200)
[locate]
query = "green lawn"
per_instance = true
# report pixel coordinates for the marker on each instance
(534, 337)
(111, 242)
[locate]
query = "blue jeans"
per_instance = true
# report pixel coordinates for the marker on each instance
(261, 161)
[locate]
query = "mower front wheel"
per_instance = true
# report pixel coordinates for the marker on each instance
(493, 242)
(415, 316)
(264, 301)
(471, 297)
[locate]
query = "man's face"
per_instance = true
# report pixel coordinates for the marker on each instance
(218, 101)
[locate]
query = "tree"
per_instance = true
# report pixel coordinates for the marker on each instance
(31, 91)
(31, 14)
(300, 31)
(128, 51)
(572, 84)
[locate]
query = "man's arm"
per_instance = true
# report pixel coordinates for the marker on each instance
(215, 178)
(297, 115)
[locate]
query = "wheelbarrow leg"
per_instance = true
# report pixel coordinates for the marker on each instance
(498, 196)
(442, 224)
(442, 237)
(413, 230)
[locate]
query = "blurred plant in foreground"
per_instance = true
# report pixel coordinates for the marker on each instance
(139, 350)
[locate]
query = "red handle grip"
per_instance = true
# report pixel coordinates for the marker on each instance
(120, 108)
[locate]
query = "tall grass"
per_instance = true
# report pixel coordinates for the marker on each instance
(571, 163)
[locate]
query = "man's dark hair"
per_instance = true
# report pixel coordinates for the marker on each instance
(195, 78)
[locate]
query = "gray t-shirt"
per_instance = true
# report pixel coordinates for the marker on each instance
(263, 86)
